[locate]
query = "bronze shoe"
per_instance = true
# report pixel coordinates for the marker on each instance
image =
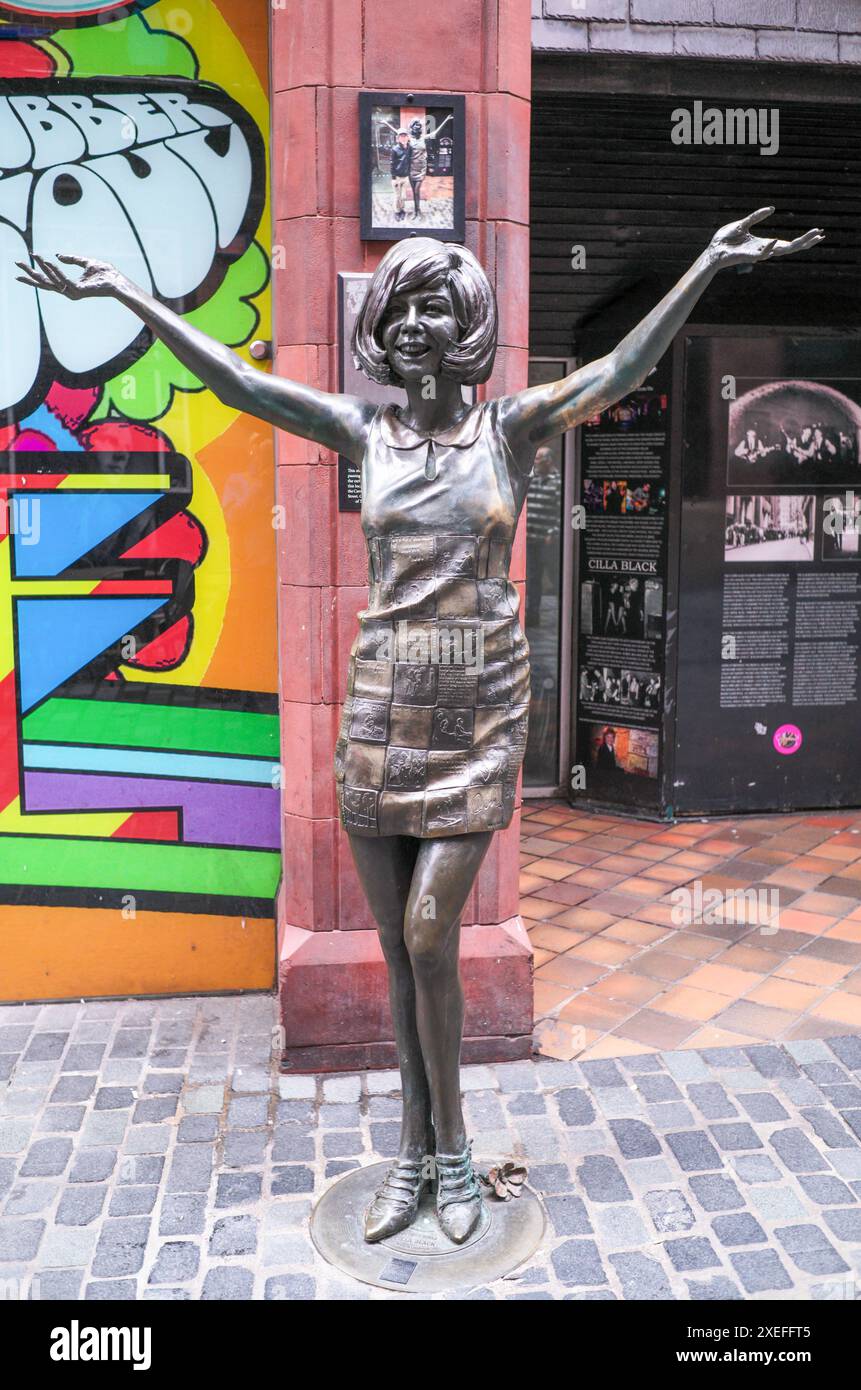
(458, 1197)
(396, 1204)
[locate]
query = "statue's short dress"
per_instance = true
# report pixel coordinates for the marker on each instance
(434, 725)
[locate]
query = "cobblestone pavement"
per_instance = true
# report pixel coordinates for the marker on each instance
(150, 1150)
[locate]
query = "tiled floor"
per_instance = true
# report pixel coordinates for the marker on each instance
(615, 974)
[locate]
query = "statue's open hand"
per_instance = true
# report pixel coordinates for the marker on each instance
(99, 278)
(735, 244)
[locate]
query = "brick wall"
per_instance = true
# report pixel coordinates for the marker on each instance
(324, 52)
(781, 31)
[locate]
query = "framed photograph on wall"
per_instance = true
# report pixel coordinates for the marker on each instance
(412, 150)
(352, 288)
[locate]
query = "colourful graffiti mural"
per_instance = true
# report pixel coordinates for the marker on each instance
(138, 708)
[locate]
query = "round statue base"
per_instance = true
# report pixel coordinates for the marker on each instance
(422, 1259)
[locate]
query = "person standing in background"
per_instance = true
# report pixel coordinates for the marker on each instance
(543, 520)
(400, 170)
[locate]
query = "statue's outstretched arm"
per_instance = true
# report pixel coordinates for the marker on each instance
(531, 417)
(337, 422)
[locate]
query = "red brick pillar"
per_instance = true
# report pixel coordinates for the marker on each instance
(332, 976)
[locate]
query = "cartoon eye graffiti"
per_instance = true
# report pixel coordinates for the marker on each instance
(56, 13)
(89, 167)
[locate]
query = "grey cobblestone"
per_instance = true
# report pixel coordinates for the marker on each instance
(711, 1100)
(658, 1087)
(33, 1197)
(197, 1129)
(47, 1158)
(575, 1107)
(829, 1128)
(192, 1165)
(641, 1276)
(568, 1215)
(796, 1151)
(669, 1211)
(289, 1288)
(80, 1205)
(578, 1262)
(738, 1229)
(715, 1289)
(644, 1173)
(182, 1215)
(635, 1139)
(342, 1116)
(617, 1101)
(19, 1240)
(228, 1282)
(93, 1165)
(730, 1138)
(800, 1091)
(686, 1066)
(845, 1223)
(848, 1051)
(176, 1260)
(762, 1106)
(234, 1235)
(133, 1201)
(761, 1271)
(716, 1192)
(826, 1190)
(670, 1115)
(248, 1112)
(776, 1203)
(190, 1169)
(235, 1189)
(755, 1167)
(104, 1127)
(148, 1139)
(602, 1179)
(601, 1075)
(245, 1150)
(694, 1152)
(620, 1226)
(691, 1252)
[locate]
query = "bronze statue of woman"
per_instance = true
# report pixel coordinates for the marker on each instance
(434, 725)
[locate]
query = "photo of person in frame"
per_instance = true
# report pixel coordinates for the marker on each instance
(411, 168)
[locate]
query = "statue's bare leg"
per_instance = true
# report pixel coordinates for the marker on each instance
(385, 867)
(444, 873)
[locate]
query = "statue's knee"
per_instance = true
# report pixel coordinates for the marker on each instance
(425, 944)
(391, 936)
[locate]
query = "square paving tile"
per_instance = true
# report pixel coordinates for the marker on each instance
(756, 1019)
(658, 1030)
(659, 964)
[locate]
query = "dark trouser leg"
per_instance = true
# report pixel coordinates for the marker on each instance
(444, 873)
(417, 194)
(385, 867)
(533, 589)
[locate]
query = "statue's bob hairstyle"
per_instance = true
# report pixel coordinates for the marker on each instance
(422, 263)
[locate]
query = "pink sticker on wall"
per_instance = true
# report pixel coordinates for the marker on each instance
(788, 738)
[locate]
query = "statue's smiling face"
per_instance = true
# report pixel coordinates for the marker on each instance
(417, 329)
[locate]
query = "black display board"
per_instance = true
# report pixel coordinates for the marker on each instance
(619, 670)
(769, 582)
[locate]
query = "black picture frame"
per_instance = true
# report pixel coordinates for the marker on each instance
(446, 158)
